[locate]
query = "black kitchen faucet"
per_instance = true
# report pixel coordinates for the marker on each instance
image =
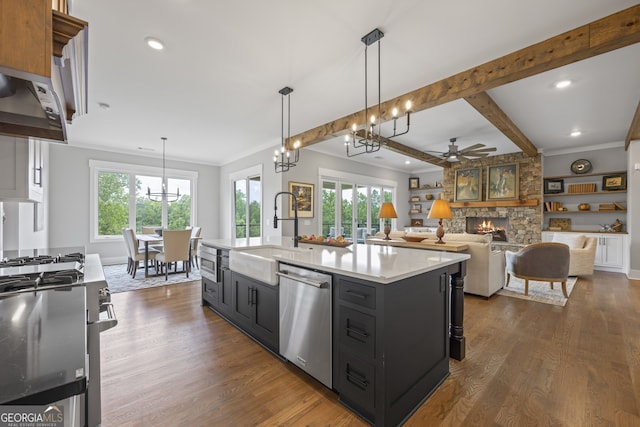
(295, 215)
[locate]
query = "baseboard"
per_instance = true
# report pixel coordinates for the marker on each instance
(115, 260)
(633, 274)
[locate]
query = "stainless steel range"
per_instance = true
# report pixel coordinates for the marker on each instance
(53, 305)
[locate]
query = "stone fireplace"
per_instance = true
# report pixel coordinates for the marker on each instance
(522, 222)
(497, 227)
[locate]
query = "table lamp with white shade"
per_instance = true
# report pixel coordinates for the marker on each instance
(440, 209)
(387, 211)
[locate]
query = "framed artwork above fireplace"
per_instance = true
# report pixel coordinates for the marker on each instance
(468, 185)
(503, 182)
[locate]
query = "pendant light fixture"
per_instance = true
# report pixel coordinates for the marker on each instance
(284, 159)
(163, 195)
(367, 140)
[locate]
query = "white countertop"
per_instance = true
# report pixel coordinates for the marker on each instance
(382, 264)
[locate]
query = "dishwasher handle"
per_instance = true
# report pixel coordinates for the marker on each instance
(301, 279)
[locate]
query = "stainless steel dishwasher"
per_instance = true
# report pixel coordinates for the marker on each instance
(305, 320)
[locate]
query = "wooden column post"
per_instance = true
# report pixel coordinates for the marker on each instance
(456, 329)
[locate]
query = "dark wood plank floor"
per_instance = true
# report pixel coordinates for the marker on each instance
(172, 362)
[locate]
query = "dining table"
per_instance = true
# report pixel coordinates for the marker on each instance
(154, 239)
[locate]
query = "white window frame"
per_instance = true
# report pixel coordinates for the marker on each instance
(97, 166)
(339, 178)
(247, 174)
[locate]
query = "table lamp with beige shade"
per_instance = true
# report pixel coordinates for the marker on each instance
(440, 209)
(387, 211)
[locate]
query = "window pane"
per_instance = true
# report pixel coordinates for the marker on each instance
(376, 202)
(347, 209)
(329, 209)
(179, 212)
(240, 208)
(113, 203)
(255, 206)
(361, 212)
(148, 212)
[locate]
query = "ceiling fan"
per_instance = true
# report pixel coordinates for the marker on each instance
(476, 150)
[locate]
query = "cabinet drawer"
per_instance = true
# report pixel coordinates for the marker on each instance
(357, 331)
(357, 385)
(358, 294)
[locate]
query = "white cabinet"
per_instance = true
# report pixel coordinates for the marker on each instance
(611, 250)
(21, 169)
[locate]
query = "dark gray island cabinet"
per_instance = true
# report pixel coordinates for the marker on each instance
(391, 343)
(392, 334)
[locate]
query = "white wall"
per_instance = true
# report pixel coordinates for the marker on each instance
(69, 203)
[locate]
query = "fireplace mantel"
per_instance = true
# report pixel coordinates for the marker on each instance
(494, 203)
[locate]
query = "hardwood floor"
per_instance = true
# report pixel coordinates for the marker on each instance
(172, 362)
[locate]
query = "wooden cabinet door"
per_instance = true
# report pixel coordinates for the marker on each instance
(242, 301)
(266, 321)
(225, 299)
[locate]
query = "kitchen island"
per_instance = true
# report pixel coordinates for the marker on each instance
(391, 336)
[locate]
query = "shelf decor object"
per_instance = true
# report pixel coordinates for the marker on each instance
(614, 182)
(581, 166)
(414, 183)
(440, 209)
(468, 184)
(387, 211)
(503, 182)
(304, 196)
(553, 186)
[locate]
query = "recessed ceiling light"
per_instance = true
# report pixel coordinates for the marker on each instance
(563, 83)
(407, 162)
(378, 157)
(145, 149)
(154, 43)
(575, 133)
(104, 105)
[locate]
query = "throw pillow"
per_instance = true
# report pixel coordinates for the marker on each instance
(573, 241)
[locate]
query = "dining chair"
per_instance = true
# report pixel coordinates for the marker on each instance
(176, 247)
(136, 254)
(195, 234)
(149, 230)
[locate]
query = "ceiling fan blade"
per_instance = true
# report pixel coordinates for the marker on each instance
(462, 158)
(472, 147)
(481, 150)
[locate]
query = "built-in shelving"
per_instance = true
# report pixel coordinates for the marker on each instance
(495, 203)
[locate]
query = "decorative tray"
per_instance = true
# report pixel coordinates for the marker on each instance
(413, 238)
(325, 243)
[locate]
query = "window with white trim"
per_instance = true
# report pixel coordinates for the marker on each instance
(119, 198)
(350, 205)
(247, 202)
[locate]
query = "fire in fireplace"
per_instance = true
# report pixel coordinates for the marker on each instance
(497, 227)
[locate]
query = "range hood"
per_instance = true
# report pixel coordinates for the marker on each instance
(40, 100)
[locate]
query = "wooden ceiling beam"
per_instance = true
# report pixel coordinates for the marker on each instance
(604, 35)
(392, 145)
(634, 129)
(486, 106)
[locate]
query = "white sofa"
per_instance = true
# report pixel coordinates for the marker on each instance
(486, 268)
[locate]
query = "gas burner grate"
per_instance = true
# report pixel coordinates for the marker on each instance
(42, 259)
(37, 280)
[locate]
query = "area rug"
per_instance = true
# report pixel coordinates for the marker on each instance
(120, 281)
(539, 291)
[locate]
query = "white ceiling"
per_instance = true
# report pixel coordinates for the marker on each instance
(213, 91)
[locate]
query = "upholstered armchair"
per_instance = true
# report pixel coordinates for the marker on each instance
(544, 262)
(583, 252)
